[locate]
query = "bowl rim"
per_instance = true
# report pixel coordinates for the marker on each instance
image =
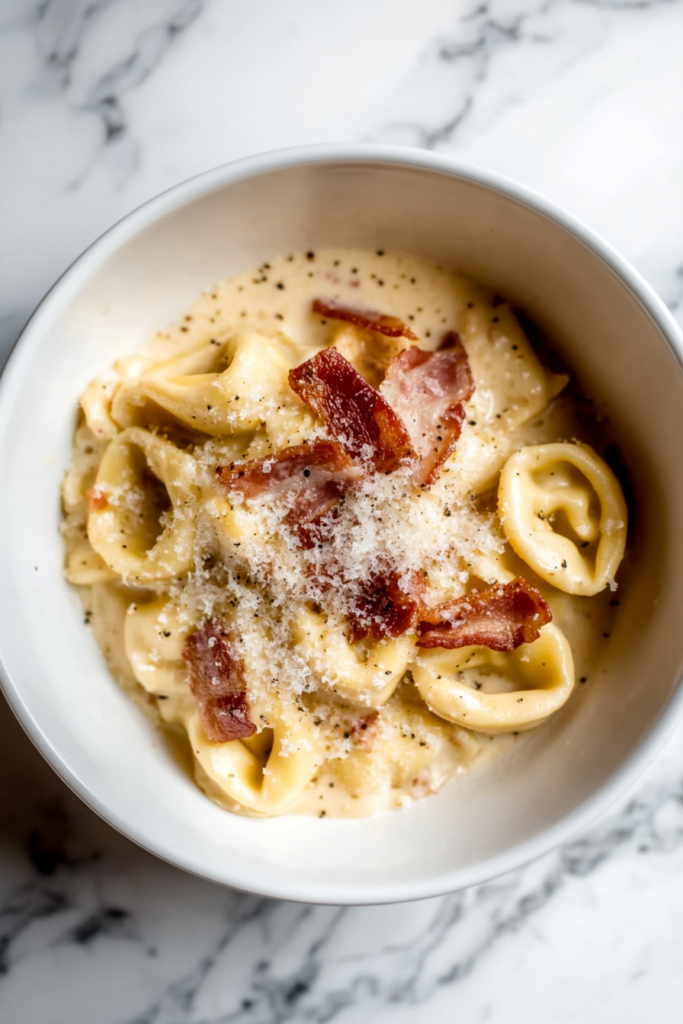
(170, 200)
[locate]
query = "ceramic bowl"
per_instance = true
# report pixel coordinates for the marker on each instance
(609, 327)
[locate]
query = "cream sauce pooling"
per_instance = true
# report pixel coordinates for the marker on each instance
(512, 406)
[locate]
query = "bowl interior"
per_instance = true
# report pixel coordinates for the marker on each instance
(142, 275)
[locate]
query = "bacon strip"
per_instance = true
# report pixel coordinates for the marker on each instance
(368, 319)
(500, 617)
(217, 683)
(316, 531)
(386, 605)
(308, 480)
(353, 411)
(428, 391)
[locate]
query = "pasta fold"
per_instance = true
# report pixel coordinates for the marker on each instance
(367, 672)
(564, 513)
(539, 678)
(240, 398)
(263, 774)
(142, 522)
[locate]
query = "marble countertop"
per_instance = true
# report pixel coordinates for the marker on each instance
(104, 103)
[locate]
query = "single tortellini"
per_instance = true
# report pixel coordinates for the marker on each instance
(367, 672)
(564, 513)
(538, 678)
(242, 397)
(512, 385)
(142, 515)
(263, 774)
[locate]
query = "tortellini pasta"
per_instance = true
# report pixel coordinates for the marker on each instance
(153, 638)
(405, 743)
(279, 630)
(240, 398)
(366, 672)
(514, 385)
(143, 519)
(538, 679)
(83, 564)
(563, 512)
(263, 774)
(96, 405)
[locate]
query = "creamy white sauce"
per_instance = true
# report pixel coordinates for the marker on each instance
(275, 299)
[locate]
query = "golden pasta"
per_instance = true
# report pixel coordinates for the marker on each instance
(334, 529)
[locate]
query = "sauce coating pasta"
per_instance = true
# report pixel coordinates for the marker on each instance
(334, 528)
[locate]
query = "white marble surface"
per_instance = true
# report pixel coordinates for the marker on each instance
(104, 103)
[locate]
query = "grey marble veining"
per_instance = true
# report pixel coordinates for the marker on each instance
(103, 103)
(82, 906)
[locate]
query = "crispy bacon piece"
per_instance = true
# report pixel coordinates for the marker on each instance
(316, 531)
(353, 411)
(386, 605)
(308, 479)
(368, 319)
(217, 683)
(323, 578)
(428, 391)
(97, 500)
(500, 617)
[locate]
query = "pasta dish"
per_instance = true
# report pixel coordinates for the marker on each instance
(344, 528)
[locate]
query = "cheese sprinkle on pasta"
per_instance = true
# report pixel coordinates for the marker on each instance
(180, 521)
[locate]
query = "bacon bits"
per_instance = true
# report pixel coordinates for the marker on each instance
(353, 411)
(386, 606)
(217, 683)
(501, 617)
(368, 319)
(97, 500)
(428, 391)
(308, 480)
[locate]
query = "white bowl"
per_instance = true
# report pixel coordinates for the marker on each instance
(615, 335)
